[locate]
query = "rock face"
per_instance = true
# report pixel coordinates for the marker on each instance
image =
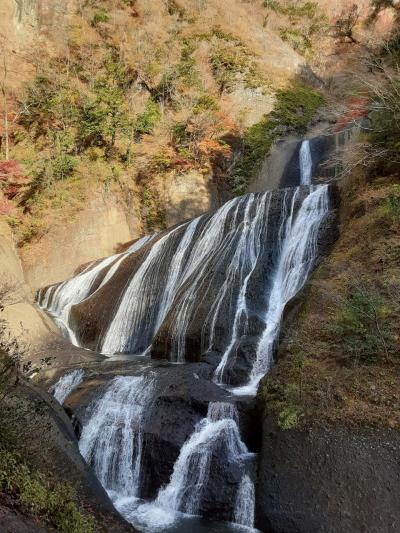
(96, 231)
(189, 195)
(23, 320)
(281, 168)
(317, 480)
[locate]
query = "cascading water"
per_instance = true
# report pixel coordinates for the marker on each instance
(66, 384)
(244, 505)
(306, 163)
(298, 253)
(58, 302)
(188, 482)
(232, 272)
(191, 470)
(112, 440)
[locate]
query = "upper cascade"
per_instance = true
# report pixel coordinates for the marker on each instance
(215, 286)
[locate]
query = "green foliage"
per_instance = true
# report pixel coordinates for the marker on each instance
(231, 61)
(160, 162)
(274, 5)
(299, 42)
(55, 505)
(100, 17)
(359, 324)
(294, 109)
(294, 9)
(288, 417)
(152, 212)
(105, 116)
(392, 207)
(48, 104)
(146, 122)
(205, 102)
(180, 134)
(306, 21)
(183, 74)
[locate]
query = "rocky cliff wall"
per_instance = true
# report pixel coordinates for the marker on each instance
(326, 480)
(24, 321)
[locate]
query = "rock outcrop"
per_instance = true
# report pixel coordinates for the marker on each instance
(328, 479)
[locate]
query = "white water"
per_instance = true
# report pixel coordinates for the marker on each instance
(76, 289)
(245, 260)
(297, 257)
(244, 505)
(232, 241)
(66, 384)
(112, 441)
(191, 472)
(305, 163)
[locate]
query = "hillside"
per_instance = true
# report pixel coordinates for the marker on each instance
(128, 117)
(199, 265)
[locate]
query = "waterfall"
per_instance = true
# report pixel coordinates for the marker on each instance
(306, 163)
(111, 440)
(298, 253)
(142, 309)
(58, 301)
(66, 384)
(201, 272)
(209, 285)
(247, 254)
(244, 505)
(191, 472)
(192, 468)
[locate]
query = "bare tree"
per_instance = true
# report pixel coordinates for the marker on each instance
(346, 23)
(4, 82)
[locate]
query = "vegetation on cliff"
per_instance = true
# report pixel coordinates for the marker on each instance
(339, 360)
(142, 94)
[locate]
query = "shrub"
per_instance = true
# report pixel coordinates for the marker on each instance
(346, 23)
(385, 116)
(205, 102)
(288, 417)
(100, 17)
(55, 505)
(296, 39)
(391, 205)
(231, 62)
(306, 21)
(294, 109)
(145, 122)
(358, 325)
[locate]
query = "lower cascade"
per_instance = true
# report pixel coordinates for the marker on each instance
(244, 506)
(64, 386)
(211, 291)
(112, 440)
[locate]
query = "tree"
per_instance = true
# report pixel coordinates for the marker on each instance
(3, 87)
(105, 116)
(346, 23)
